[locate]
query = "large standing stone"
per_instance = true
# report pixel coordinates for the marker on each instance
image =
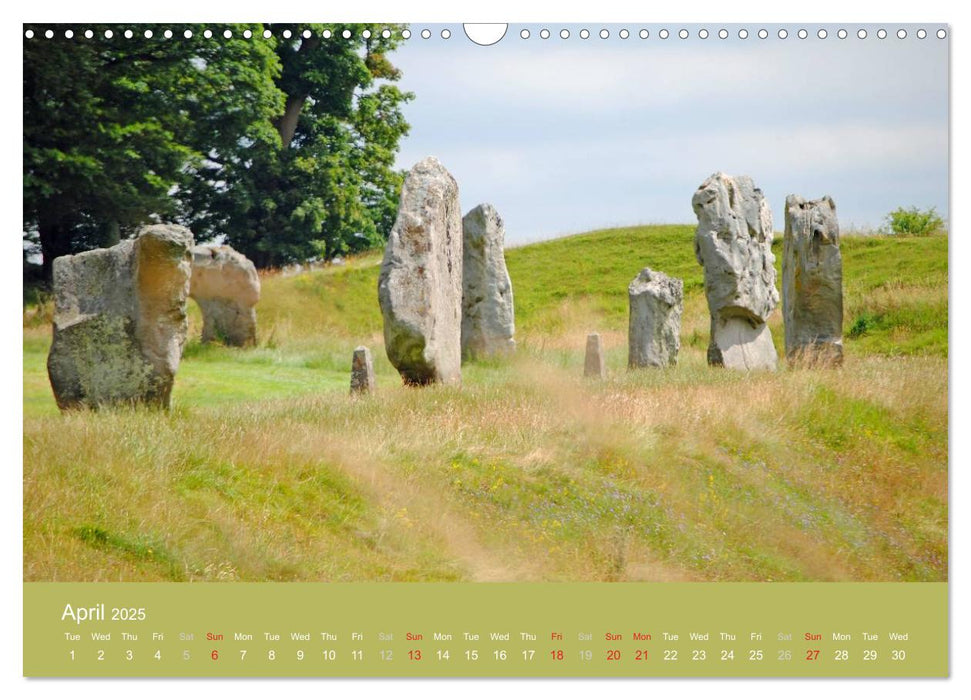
(420, 285)
(227, 289)
(733, 242)
(488, 322)
(119, 320)
(812, 282)
(656, 305)
(594, 364)
(362, 371)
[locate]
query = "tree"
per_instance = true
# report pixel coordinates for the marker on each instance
(914, 222)
(327, 186)
(111, 126)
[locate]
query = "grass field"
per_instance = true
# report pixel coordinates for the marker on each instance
(266, 469)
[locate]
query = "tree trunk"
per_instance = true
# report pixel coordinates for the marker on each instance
(287, 124)
(291, 115)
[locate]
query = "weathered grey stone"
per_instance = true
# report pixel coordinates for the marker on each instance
(362, 371)
(420, 284)
(654, 333)
(593, 362)
(812, 283)
(119, 320)
(733, 242)
(488, 321)
(226, 287)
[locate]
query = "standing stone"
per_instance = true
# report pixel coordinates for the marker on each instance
(812, 283)
(656, 305)
(227, 289)
(488, 322)
(362, 371)
(593, 363)
(733, 242)
(420, 284)
(119, 320)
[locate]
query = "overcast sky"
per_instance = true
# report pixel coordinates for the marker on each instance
(564, 136)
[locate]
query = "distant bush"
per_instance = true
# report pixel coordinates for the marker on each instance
(914, 222)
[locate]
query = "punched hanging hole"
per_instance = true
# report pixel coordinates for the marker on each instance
(624, 33)
(743, 33)
(524, 34)
(486, 34)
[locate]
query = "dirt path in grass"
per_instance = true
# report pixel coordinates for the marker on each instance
(434, 517)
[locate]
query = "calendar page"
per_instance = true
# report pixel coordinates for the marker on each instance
(537, 350)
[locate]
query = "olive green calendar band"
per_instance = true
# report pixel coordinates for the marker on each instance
(486, 630)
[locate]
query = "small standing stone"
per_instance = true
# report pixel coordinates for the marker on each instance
(733, 243)
(362, 371)
(120, 320)
(420, 283)
(812, 283)
(488, 322)
(593, 363)
(656, 305)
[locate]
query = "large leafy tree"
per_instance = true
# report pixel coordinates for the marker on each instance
(112, 125)
(283, 146)
(327, 185)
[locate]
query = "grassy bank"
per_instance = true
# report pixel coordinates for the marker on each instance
(267, 470)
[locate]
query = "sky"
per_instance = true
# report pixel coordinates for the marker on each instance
(569, 135)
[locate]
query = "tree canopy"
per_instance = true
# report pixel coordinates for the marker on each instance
(282, 146)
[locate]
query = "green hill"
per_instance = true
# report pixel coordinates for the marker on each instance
(267, 470)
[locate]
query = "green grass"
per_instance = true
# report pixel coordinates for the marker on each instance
(266, 468)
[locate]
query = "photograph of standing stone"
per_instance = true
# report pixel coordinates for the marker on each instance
(227, 289)
(812, 283)
(362, 371)
(594, 363)
(733, 243)
(656, 305)
(488, 320)
(119, 320)
(420, 284)
(382, 335)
